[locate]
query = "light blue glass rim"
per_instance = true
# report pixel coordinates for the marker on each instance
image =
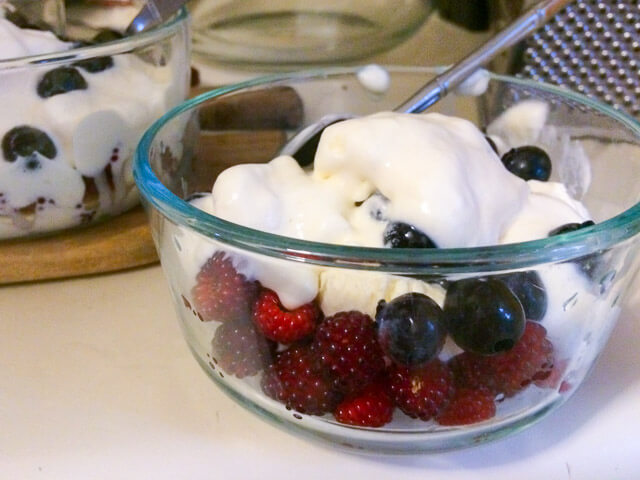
(116, 47)
(440, 261)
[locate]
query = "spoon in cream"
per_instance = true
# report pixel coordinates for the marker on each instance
(303, 144)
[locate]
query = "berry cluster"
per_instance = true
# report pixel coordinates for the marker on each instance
(361, 369)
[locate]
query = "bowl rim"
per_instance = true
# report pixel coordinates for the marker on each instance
(437, 262)
(115, 47)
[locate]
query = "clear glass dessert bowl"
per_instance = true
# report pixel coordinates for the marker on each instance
(396, 350)
(72, 114)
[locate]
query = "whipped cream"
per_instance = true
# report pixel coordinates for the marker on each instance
(435, 172)
(431, 171)
(18, 42)
(94, 131)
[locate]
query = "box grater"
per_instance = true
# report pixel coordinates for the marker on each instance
(592, 47)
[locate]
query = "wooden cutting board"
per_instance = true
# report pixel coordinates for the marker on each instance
(121, 242)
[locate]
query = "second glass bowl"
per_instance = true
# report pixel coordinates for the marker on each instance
(70, 121)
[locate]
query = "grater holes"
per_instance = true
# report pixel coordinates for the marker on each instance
(592, 46)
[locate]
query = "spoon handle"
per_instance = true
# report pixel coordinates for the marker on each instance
(456, 74)
(153, 13)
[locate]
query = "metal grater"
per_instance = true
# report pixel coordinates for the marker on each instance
(590, 46)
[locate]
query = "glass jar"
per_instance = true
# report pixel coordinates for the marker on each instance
(289, 32)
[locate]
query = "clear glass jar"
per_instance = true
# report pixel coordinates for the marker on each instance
(286, 32)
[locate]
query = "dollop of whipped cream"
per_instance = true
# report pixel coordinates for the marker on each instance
(18, 42)
(434, 172)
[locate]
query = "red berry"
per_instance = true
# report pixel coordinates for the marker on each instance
(295, 380)
(347, 348)
(468, 406)
(530, 359)
(280, 324)
(421, 392)
(372, 407)
(553, 377)
(222, 293)
(240, 349)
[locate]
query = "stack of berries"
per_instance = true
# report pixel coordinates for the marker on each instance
(360, 369)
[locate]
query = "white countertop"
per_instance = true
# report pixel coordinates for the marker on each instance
(97, 383)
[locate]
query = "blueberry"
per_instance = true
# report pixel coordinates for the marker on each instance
(589, 265)
(403, 235)
(61, 80)
(529, 289)
(24, 141)
(411, 329)
(528, 163)
(570, 227)
(483, 316)
(96, 64)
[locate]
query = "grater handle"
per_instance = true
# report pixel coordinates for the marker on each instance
(437, 88)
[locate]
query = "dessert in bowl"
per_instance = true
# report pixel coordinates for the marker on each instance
(73, 112)
(424, 282)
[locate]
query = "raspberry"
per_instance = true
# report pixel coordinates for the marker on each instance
(347, 348)
(240, 349)
(221, 293)
(282, 325)
(468, 406)
(529, 360)
(295, 380)
(372, 407)
(421, 392)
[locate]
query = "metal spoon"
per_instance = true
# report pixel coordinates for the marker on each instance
(302, 146)
(153, 13)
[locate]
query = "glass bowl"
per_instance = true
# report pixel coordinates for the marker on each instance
(571, 286)
(292, 32)
(71, 120)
